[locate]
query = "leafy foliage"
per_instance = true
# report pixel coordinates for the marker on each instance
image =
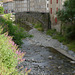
(68, 13)
(70, 32)
(7, 16)
(10, 56)
(13, 30)
(1, 10)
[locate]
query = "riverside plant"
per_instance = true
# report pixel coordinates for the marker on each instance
(10, 56)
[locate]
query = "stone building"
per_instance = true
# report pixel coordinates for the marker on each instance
(21, 6)
(54, 6)
(9, 6)
(32, 5)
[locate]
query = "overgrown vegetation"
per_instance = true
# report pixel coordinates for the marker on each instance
(10, 56)
(15, 31)
(62, 38)
(1, 10)
(68, 13)
(38, 26)
(7, 16)
(67, 18)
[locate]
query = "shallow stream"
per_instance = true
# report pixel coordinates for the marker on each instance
(45, 61)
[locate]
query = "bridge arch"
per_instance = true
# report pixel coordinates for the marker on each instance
(34, 17)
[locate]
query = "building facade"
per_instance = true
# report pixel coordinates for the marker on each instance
(9, 6)
(32, 5)
(54, 6)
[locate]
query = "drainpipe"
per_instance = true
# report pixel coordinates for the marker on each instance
(49, 21)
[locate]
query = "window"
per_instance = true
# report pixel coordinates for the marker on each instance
(51, 10)
(47, 5)
(51, 1)
(56, 1)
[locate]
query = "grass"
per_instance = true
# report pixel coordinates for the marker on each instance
(38, 26)
(61, 38)
(71, 46)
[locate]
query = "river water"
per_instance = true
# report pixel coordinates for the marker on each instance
(45, 61)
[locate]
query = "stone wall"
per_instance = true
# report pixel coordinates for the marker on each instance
(34, 17)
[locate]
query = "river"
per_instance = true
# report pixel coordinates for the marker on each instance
(43, 60)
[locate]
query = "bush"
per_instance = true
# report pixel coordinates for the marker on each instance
(70, 32)
(17, 32)
(1, 10)
(56, 35)
(10, 56)
(51, 32)
(7, 16)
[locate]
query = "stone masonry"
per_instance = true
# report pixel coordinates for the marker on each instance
(34, 17)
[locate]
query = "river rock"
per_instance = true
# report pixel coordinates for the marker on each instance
(62, 73)
(36, 66)
(72, 62)
(50, 57)
(70, 52)
(33, 60)
(59, 67)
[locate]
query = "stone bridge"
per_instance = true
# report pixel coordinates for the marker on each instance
(34, 17)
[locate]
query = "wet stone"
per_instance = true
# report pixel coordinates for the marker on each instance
(72, 62)
(50, 57)
(59, 67)
(62, 73)
(70, 52)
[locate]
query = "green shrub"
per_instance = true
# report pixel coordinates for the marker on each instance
(71, 45)
(51, 32)
(7, 16)
(10, 56)
(13, 30)
(59, 37)
(1, 10)
(70, 32)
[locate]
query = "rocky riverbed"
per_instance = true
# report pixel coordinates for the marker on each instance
(43, 60)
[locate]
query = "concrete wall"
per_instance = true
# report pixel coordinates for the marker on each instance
(33, 17)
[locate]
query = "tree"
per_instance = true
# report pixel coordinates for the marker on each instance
(1, 10)
(68, 13)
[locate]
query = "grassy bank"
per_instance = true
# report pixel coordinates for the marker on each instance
(62, 38)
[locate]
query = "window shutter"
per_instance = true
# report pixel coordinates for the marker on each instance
(56, 20)
(56, 1)
(51, 1)
(51, 10)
